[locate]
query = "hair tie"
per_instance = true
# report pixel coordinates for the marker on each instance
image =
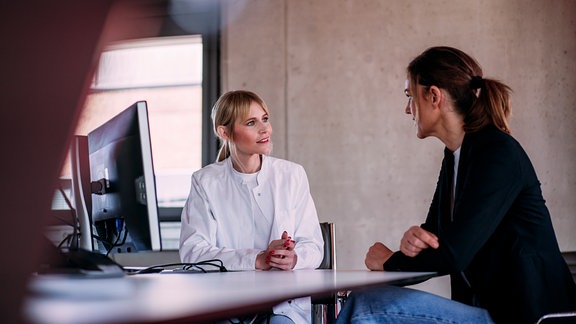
(476, 82)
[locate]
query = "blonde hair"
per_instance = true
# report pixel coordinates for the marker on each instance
(230, 107)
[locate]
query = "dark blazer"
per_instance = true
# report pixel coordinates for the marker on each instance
(500, 248)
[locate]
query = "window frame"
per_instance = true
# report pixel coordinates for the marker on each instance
(203, 19)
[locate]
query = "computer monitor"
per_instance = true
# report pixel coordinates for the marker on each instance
(124, 213)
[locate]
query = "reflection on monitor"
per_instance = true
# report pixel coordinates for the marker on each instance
(124, 211)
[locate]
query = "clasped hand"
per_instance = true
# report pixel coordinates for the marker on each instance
(415, 240)
(279, 254)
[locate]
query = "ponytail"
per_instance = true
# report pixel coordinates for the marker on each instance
(224, 152)
(492, 106)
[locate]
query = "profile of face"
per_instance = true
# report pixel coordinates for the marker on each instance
(417, 107)
(252, 134)
(410, 105)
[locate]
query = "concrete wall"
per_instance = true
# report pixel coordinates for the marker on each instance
(333, 71)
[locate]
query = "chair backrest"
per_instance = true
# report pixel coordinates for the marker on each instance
(329, 236)
(569, 317)
(570, 258)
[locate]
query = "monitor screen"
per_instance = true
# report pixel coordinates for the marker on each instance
(124, 213)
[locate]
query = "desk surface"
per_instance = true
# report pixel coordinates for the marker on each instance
(188, 297)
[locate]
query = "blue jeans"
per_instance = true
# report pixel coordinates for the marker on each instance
(390, 304)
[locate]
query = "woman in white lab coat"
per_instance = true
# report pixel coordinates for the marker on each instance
(250, 210)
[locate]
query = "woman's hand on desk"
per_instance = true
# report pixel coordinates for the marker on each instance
(280, 254)
(415, 240)
(261, 261)
(376, 256)
(282, 259)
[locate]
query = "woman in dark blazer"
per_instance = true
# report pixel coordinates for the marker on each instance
(488, 226)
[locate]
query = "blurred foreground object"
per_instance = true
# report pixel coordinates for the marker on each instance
(49, 50)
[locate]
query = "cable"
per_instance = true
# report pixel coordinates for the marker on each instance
(185, 266)
(116, 243)
(199, 265)
(71, 239)
(65, 240)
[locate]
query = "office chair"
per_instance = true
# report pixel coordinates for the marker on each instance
(325, 309)
(557, 316)
(570, 258)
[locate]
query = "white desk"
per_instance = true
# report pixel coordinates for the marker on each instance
(187, 297)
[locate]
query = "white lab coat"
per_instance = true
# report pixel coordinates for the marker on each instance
(217, 220)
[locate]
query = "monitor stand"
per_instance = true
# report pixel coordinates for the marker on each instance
(79, 262)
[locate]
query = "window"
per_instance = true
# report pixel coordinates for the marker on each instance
(167, 73)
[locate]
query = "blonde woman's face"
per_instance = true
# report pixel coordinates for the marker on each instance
(252, 134)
